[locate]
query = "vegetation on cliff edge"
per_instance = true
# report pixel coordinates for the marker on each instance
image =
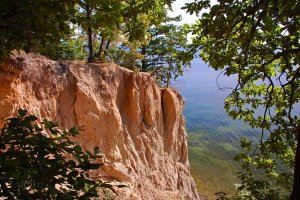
(42, 162)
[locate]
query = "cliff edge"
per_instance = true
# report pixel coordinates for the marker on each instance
(138, 126)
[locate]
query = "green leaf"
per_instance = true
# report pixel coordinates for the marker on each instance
(22, 113)
(36, 163)
(77, 149)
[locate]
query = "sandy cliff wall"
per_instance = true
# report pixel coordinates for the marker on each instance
(139, 127)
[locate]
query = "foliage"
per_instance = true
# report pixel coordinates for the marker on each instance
(165, 54)
(126, 57)
(29, 24)
(94, 16)
(258, 43)
(103, 20)
(44, 25)
(167, 50)
(37, 166)
(72, 48)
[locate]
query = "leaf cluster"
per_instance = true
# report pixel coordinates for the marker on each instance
(257, 42)
(29, 25)
(42, 162)
(168, 50)
(164, 54)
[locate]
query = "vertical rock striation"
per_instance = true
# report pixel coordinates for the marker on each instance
(138, 126)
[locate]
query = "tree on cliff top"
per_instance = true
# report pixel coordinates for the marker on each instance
(104, 19)
(36, 166)
(164, 54)
(167, 50)
(42, 25)
(257, 41)
(30, 24)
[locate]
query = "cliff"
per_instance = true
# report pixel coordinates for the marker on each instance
(138, 126)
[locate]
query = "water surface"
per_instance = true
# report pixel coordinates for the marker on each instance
(213, 136)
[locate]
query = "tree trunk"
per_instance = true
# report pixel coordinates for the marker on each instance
(91, 53)
(106, 47)
(90, 34)
(144, 67)
(169, 73)
(100, 48)
(168, 78)
(296, 182)
(170, 67)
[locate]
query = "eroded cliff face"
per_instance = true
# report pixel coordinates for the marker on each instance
(138, 126)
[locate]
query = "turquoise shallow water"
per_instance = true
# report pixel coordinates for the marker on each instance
(203, 100)
(213, 137)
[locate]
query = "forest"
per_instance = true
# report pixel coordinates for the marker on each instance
(138, 35)
(255, 41)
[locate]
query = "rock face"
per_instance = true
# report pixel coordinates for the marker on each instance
(138, 126)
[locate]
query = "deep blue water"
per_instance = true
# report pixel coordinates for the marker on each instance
(204, 105)
(213, 137)
(203, 100)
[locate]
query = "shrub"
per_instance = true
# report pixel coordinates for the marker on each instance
(41, 162)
